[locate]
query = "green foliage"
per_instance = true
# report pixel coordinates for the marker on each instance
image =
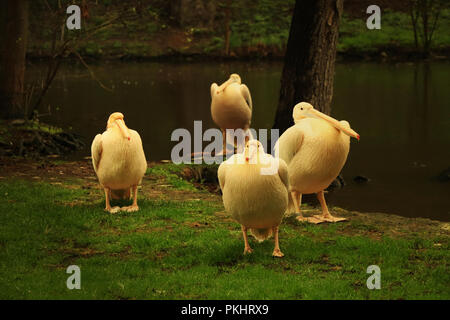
(257, 27)
(265, 23)
(171, 174)
(152, 27)
(92, 49)
(216, 44)
(117, 44)
(30, 125)
(396, 32)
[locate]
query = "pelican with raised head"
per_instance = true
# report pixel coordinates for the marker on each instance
(119, 162)
(315, 150)
(255, 192)
(231, 107)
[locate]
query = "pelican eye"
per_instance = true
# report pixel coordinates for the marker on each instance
(301, 108)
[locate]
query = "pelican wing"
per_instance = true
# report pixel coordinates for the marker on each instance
(289, 143)
(221, 172)
(283, 173)
(96, 151)
(224, 166)
(214, 87)
(246, 94)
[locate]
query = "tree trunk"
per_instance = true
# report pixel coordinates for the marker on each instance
(308, 71)
(425, 10)
(414, 14)
(227, 27)
(13, 36)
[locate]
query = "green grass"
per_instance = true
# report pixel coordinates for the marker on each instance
(396, 32)
(170, 173)
(178, 250)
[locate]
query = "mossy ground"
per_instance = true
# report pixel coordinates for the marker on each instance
(32, 138)
(182, 245)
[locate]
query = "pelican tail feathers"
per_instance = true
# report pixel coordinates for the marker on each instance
(261, 234)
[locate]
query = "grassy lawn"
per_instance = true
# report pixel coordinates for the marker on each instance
(182, 245)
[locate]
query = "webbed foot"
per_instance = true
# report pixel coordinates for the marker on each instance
(277, 253)
(112, 209)
(131, 208)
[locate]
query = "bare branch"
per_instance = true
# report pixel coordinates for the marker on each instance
(90, 71)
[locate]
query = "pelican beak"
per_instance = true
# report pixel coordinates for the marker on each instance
(123, 128)
(247, 155)
(348, 131)
(252, 154)
(224, 85)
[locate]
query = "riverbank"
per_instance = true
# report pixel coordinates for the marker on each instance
(35, 139)
(182, 245)
(154, 35)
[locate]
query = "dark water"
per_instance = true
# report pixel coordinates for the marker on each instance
(401, 111)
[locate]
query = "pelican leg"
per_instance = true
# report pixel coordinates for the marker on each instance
(224, 138)
(134, 207)
(326, 215)
(108, 205)
(224, 151)
(247, 248)
(297, 200)
(276, 251)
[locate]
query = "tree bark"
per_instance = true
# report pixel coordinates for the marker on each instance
(227, 27)
(13, 36)
(308, 71)
(414, 14)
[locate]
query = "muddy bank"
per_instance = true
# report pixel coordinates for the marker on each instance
(34, 139)
(158, 184)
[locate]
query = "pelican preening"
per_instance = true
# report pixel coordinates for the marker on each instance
(256, 201)
(315, 150)
(119, 161)
(231, 106)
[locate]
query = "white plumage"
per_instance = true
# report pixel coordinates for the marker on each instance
(315, 150)
(231, 107)
(255, 192)
(119, 161)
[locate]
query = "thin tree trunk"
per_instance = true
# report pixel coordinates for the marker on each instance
(13, 36)
(425, 7)
(227, 27)
(308, 71)
(414, 16)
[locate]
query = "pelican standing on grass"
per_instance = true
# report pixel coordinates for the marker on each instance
(119, 162)
(315, 150)
(256, 199)
(231, 107)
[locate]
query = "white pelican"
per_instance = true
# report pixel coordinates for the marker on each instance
(231, 107)
(119, 161)
(315, 150)
(257, 201)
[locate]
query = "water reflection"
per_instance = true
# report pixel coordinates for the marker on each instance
(401, 112)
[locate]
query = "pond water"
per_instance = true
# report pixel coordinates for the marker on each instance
(401, 111)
